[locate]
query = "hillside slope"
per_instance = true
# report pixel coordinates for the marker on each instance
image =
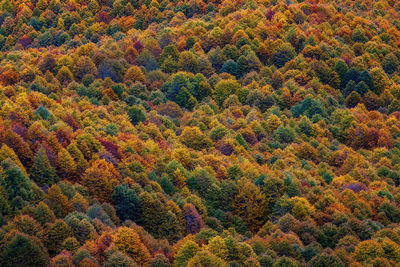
(199, 133)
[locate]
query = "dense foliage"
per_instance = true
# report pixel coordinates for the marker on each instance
(200, 133)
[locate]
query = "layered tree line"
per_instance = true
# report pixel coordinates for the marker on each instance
(191, 133)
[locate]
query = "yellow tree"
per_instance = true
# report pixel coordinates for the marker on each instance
(100, 179)
(128, 241)
(7, 152)
(66, 166)
(134, 74)
(250, 204)
(58, 202)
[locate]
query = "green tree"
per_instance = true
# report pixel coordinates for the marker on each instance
(359, 35)
(58, 232)
(185, 99)
(326, 260)
(43, 214)
(119, 259)
(225, 88)
(157, 220)
(42, 172)
(24, 250)
(71, 244)
(169, 51)
(283, 54)
(136, 115)
(127, 203)
(15, 181)
(285, 134)
(390, 63)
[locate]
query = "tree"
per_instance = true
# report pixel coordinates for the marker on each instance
(218, 247)
(359, 35)
(64, 75)
(110, 68)
(58, 232)
(5, 208)
(71, 244)
(88, 145)
(250, 204)
(285, 262)
(284, 134)
(20, 147)
(43, 214)
(157, 220)
(119, 259)
(309, 107)
(224, 88)
(200, 87)
(128, 241)
(186, 252)
(188, 61)
(15, 181)
(42, 172)
(325, 74)
(160, 260)
(66, 165)
(230, 67)
(193, 219)
(24, 250)
(58, 202)
(127, 203)
(103, 213)
(146, 59)
(78, 157)
(82, 229)
(134, 74)
(390, 63)
(47, 63)
(169, 65)
(369, 249)
(185, 99)
(136, 115)
(194, 138)
(380, 80)
(100, 179)
(62, 259)
(169, 51)
(283, 54)
(84, 65)
(353, 99)
(175, 84)
(391, 211)
(43, 112)
(6, 152)
(9, 77)
(205, 258)
(204, 65)
(27, 225)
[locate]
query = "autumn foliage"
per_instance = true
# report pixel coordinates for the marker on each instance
(199, 133)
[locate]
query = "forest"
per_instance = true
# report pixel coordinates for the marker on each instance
(190, 133)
